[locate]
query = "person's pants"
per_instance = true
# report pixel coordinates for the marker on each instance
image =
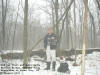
(51, 54)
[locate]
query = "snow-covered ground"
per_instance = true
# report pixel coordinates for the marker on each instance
(11, 51)
(92, 66)
(14, 51)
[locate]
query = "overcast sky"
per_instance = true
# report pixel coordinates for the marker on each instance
(35, 5)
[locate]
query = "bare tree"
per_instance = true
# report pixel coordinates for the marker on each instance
(25, 33)
(4, 12)
(84, 37)
(75, 26)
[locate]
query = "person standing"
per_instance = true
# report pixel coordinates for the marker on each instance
(50, 45)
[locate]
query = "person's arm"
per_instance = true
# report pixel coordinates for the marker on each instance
(54, 37)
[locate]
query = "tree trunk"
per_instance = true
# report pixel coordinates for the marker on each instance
(75, 42)
(84, 38)
(25, 33)
(3, 25)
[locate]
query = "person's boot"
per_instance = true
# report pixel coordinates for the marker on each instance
(53, 66)
(48, 66)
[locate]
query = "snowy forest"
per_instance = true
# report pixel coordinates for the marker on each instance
(25, 23)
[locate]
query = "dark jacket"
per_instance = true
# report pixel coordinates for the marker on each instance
(48, 41)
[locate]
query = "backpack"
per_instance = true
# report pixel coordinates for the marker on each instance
(64, 68)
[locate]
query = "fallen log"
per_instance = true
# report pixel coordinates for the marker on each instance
(42, 54)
